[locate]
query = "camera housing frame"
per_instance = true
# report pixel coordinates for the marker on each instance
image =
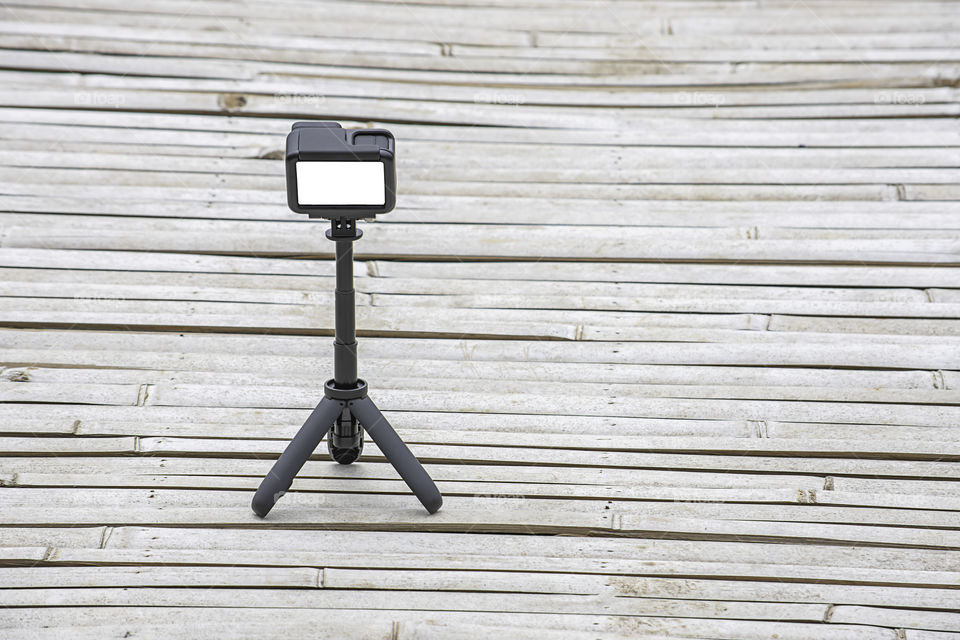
(323, 141)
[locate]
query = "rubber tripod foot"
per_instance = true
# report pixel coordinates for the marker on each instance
(281, 476)
(261, 507)
(397, 453)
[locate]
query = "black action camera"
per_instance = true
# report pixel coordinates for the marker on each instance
(335, 173)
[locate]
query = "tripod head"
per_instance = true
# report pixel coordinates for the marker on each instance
(340, 174)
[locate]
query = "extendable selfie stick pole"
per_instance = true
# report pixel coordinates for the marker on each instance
(345, 407)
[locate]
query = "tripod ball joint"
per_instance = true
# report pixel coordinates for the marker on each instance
(343, 175)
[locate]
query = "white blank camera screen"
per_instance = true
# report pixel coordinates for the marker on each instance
(333, 183)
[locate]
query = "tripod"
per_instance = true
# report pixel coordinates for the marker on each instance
(345, 406)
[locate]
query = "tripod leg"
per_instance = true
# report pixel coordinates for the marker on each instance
(397, 453)
(295, 455)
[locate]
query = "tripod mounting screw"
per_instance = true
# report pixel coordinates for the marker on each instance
(344, 229)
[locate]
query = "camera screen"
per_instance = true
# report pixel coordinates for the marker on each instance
(340, 183)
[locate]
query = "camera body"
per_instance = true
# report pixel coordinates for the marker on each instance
(336, 173)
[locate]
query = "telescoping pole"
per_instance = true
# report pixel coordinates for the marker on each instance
(345, 322)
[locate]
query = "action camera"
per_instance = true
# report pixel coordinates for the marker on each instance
(336, 173)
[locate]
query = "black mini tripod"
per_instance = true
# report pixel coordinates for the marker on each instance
(345, 407)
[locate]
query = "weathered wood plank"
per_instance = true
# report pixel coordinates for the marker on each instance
(468, 624)
(478, 581)
(600, 274)
(659, 574)
(465, 546)
(438, 376)
(539, 242)
(831, 355)
(612, 517)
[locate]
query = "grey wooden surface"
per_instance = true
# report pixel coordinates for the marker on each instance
(669, 307)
